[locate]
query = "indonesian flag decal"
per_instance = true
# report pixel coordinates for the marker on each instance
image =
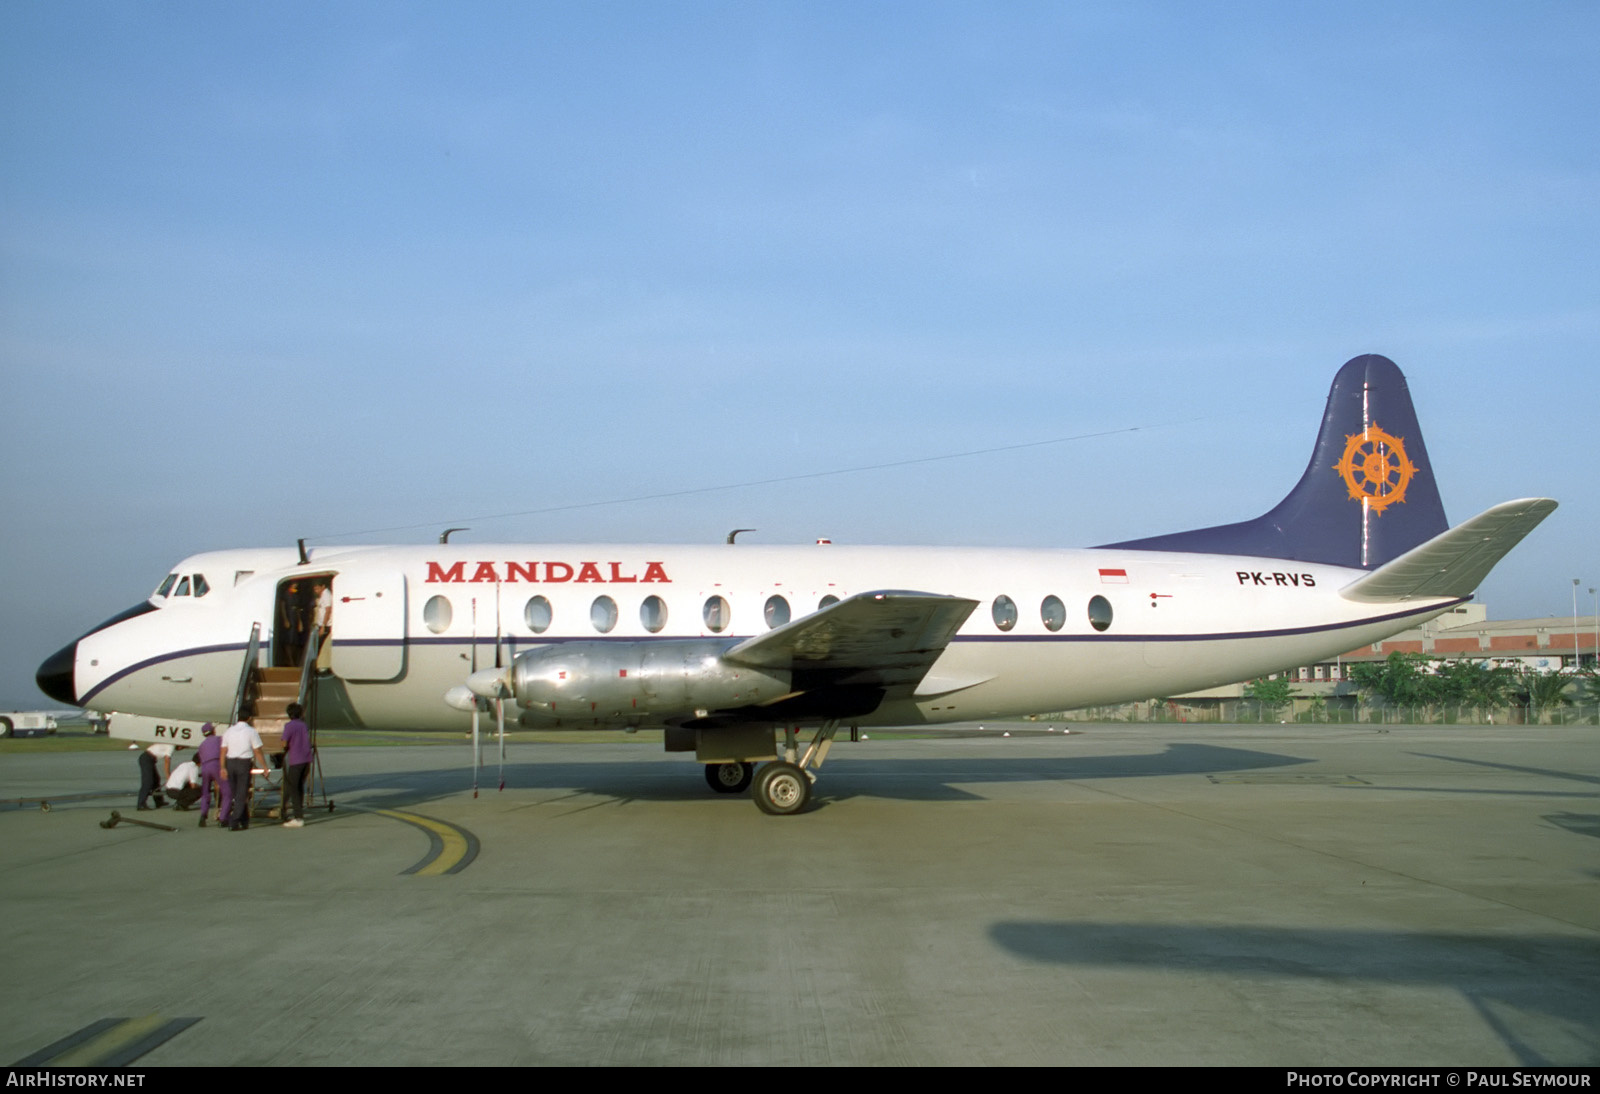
(1113, 577)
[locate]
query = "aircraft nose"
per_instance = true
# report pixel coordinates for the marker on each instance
(55, 676)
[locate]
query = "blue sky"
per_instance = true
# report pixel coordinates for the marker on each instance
(282, 270)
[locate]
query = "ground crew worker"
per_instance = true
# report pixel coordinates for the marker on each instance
(209, 755)
(241, 743)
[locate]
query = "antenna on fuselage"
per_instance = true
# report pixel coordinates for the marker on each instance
(444, 536)
(735, 533)
(304, 558)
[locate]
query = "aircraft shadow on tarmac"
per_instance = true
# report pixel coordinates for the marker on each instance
(1504, 977)
(843, 778)
(1545, 772)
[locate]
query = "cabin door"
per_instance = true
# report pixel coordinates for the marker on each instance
(368, 627)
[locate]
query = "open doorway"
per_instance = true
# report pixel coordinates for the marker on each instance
(304, 605)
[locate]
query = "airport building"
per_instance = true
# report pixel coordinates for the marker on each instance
(1552, 644)
(1542, 645)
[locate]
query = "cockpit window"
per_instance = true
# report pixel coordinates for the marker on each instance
(166, 586)
(183, 587)
(200, 586)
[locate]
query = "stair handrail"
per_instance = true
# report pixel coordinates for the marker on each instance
(308, 667)
(252, 648)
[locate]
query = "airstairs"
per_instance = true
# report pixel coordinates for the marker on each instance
(268, 691)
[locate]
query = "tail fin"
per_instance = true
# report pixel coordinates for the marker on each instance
(1367, 497)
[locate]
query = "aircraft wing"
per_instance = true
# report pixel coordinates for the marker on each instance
(1453, 563)
(879, 638)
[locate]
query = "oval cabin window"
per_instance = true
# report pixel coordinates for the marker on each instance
(537, 615)
(1004, 612)
(653, 614)
(716, 614)
(1099, 613)
(1053, 613)
(436, 614)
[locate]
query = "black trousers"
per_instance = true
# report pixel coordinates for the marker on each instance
(294, 791)
(239, 787)
(149, 781)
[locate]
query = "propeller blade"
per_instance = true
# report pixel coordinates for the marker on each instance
(477, 761)
(499, 699)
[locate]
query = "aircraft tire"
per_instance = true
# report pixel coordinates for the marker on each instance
(781, 789)
(730, 778)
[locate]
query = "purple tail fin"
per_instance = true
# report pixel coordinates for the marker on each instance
(1368, 495)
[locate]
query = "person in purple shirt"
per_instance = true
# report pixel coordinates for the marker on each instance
(296, 762)
(209, 757)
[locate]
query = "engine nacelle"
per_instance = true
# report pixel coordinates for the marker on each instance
(637, 683)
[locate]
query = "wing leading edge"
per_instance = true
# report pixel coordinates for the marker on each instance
(882, 639)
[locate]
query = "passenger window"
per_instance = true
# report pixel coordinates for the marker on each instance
(436, 614)
(827, 601)
(1004, 612)
(653, 614)
(1099, 613)
(603, 614)
(166, 586)
(776, 611)
(200, 586)
(183, 586)
(1053, 612)
(537, 614)
(716, 614)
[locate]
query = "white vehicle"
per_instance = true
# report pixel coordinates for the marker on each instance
(26, 723)
(732, 647)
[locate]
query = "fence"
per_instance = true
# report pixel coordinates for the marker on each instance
(1312, 712)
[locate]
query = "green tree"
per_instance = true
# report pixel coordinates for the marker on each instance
(1476, 684)
(1270, 695)
(1544, 691)
(1589, 692)
(1399, 679)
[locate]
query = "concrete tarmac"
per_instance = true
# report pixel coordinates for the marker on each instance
(1148, 894)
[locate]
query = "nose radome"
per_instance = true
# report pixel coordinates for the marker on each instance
(55, 676)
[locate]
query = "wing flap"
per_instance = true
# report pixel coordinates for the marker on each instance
(1452, 563)
(886, 637)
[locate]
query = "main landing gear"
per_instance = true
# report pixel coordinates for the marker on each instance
(730, 778)
(781, 787)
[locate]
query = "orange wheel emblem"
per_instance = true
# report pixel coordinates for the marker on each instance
(1375, 468)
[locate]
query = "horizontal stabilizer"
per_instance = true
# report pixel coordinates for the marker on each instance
(894, 636)
(1454, 562)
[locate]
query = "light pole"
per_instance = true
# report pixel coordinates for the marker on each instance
(1575, 658)
(1596, 621)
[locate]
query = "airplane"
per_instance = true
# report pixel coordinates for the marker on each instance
(735, 649)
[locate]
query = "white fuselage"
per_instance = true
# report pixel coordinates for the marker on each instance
(409, 623)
